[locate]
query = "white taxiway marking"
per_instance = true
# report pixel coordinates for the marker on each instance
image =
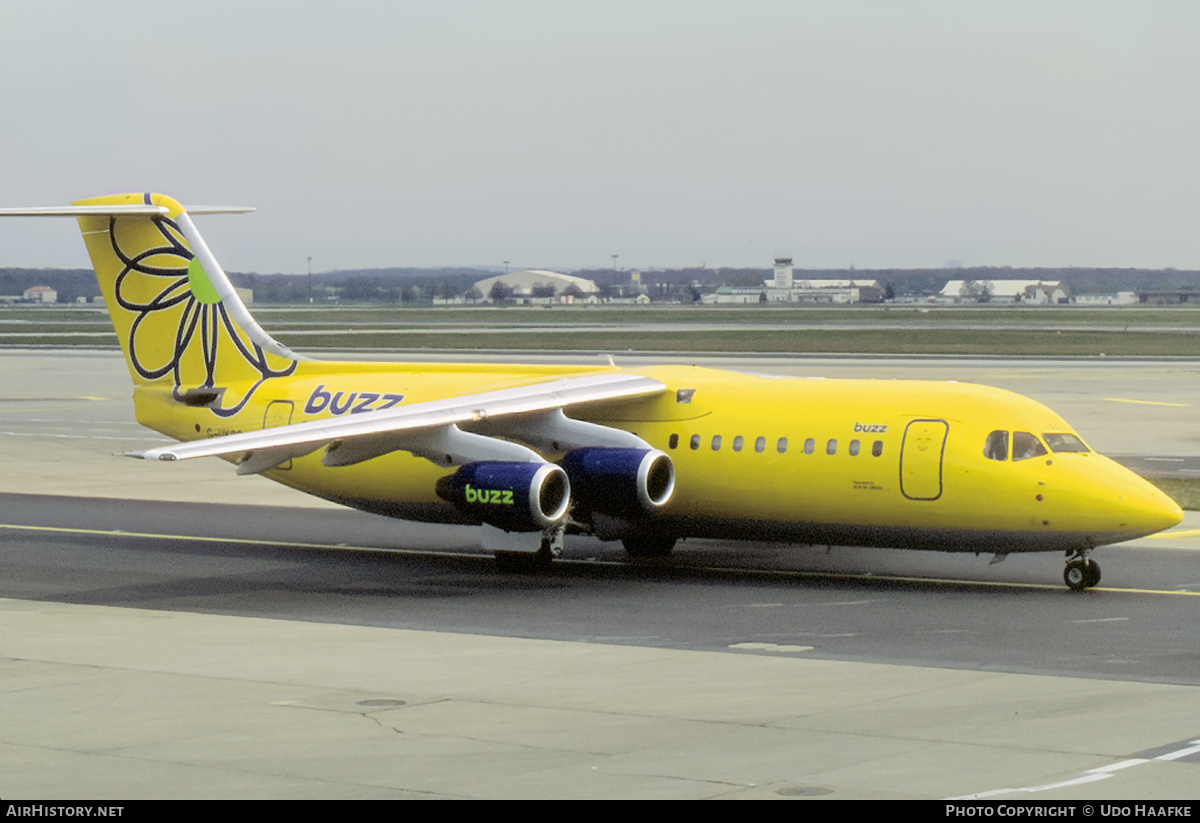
(771, 647)
(1089, 776)
(44, 435)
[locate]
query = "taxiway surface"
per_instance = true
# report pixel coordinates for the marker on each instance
(285, 649)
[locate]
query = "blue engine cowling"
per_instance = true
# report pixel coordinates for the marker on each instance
(516, 497)
(620, 482)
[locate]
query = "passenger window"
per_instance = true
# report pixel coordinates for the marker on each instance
(760, 444)
(716, 443)
(695, 444)
(996, 446)
(1026, 445)
(877, 448)
(854, 444)
(831, 447)
(810, 446)
(737, 443)
(674, 441)
(1059, 442)
(781, 446)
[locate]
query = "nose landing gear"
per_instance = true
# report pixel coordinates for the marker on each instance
(1081, 572)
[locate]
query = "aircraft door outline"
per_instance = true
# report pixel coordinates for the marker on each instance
(921, 457)
(279, 413)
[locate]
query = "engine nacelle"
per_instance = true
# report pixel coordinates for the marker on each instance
(516, 497)
(620, 482)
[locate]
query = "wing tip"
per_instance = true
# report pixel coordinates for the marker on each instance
(150, 454)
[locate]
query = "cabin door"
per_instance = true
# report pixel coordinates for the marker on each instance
(921, 459)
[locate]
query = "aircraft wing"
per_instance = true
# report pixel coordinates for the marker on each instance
(530, 413)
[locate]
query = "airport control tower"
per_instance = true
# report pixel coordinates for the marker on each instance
(783, 272)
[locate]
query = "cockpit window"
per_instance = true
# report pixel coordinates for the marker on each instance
(1059, 442)
(996, 446)
(1026, 445)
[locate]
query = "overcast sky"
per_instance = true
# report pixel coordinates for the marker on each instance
(553, 133)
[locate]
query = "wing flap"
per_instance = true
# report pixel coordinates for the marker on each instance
(255, 461)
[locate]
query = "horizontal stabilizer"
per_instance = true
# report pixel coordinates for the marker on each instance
(116, 210)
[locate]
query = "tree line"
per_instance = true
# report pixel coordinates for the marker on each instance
(421, 285)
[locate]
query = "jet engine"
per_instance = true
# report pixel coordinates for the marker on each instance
(620, 482)
(515, 497)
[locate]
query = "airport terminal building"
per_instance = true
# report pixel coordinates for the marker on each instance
(785, 288)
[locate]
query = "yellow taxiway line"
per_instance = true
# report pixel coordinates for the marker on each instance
(1146, 402)
(882, 578)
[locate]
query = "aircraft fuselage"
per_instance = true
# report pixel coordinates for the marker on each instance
(905, 464)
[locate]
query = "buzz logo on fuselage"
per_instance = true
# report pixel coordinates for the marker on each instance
(870, 428)
(342, 402)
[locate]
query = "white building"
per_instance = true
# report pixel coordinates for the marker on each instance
(785, 288)
(729, 294)
(523, 283)
(1035, 292)
(1121, 298)
(40, 294)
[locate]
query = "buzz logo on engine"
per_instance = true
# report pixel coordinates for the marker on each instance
(500, 497)
(515, 497)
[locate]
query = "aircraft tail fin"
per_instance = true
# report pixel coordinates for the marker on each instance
(177, 316)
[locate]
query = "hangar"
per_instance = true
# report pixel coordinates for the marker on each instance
(530, 285)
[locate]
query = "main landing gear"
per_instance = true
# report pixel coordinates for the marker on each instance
(549, 547)
(1081, 572)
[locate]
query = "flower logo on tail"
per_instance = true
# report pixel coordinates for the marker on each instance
(180, 326)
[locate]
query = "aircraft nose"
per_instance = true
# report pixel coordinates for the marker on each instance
(1149, 512)
(1122, 505)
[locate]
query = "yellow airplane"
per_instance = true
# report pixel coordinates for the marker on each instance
(646, 456)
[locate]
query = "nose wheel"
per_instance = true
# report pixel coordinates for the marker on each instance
(1081, 572)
